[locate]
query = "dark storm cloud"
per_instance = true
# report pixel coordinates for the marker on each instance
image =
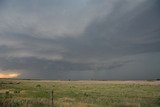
(2, 1)
(87, 39)
(133, 32)
(40, 68)
(57, 69)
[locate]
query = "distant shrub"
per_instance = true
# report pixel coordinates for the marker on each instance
(38, 86)
(17, 91)
(18, 82)
(86, 94)
(7, 92)
(10, 82)
(8, 95)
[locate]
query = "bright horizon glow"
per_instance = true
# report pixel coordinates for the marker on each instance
(9, 75)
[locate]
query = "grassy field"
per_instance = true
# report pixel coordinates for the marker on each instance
(38, 93)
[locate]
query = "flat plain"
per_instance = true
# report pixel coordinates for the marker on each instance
(50, 93)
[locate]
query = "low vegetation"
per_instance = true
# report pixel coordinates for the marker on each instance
(38, 93)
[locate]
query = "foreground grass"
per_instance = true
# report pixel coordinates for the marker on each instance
(32, 93)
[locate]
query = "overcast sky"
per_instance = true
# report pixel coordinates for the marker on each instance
(80, 39)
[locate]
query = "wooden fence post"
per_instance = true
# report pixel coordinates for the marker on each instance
(52, 99)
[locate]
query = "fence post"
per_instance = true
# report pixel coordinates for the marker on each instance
(52, 99)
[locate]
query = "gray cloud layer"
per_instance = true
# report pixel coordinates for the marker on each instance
(86, 39)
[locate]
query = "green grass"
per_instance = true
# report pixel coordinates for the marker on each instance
(32, 93)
